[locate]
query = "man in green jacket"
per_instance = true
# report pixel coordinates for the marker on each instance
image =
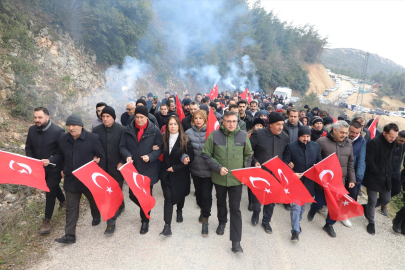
(227, 149)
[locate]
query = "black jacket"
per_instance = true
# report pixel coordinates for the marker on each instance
(180, 177)
(316, 134)
(379, 167)
(266, 145)
(124, 119)
(248, 119)
(162, 119)
(186, 122)
(304, 156)
(130, 147)
(43, 144)
(151, 118)
(110, 139)
(76, 153)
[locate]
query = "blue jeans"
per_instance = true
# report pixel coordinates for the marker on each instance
(296, 216)
(320, 202)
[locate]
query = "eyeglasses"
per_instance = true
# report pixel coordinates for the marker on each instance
(231, 122)
(130, 109)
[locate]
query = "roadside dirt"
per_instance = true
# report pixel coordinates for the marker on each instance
(319, 77)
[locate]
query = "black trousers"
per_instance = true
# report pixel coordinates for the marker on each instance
(396, 184)
(203, 194)
(250, 195)
(354, 191)
(112, 220)
(55, 192)
(73, 207)
(135, 200)
(235, 196)
(168, 204)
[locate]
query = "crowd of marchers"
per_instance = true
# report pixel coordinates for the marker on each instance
(173, 151)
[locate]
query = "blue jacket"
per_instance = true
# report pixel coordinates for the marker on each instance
(304, 157)
(359, 153)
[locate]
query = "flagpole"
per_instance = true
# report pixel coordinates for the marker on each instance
(83, 166)
(21, 155)
(320, 162)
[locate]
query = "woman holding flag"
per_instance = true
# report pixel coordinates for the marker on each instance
(174, 173)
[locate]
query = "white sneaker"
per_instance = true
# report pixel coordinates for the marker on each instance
(347, 223)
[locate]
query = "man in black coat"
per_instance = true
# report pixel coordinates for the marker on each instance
(245, 115)
(77, 148)
(186, 122)
(130, 110)
(303, 154)
(377, 178)
(137, 145)
(266, 144)
(42, 143)
(110, 136)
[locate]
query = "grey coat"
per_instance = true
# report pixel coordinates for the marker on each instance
(197, 137)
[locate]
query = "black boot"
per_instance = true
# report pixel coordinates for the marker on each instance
(144, 228)
(295, 236)
(110, 230)
(329, 230)
(200, 219)
(67, 239)
(95, 221)
(287, 206)
(267, 228)
(221, 229)
(204, 230)
(396, 225)
(236, 247)
(250, 207)
(179, 218)
(255, 218)
(371, 228)
(311, 215)
(166, 231)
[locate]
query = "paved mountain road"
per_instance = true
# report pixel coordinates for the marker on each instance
(353, 248)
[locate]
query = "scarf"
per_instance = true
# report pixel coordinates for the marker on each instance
(141, 130)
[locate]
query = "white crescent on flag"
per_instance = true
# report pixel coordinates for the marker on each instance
(254, 179)
(216, 125)
(25, 166)
(95, 175)
(322, 174)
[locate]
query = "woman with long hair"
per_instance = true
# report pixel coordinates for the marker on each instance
(200, 172)
(174, 173)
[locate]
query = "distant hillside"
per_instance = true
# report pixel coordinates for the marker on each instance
(350, 62)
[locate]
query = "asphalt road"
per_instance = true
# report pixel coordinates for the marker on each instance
(353, 248)
(344, 86)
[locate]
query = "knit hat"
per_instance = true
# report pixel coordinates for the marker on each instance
(304, 130)
(74, 119)
(342, 117)
(315, 109)
(285, 107)
(186, 101)
(264, 112)
(142, 110)
(275, 117)
(279, 106)
(290, 104)
(259, 121)
(108, 110)
(141, 100)
(327, 120)
(306, 107)
(205, 108)
(316, 120)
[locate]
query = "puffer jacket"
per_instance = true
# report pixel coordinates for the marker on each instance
(229, 149)
(197, 138)
(344, 152)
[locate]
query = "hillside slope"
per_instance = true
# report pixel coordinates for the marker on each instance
(319, 77)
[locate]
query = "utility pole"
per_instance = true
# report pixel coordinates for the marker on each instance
(363, 77)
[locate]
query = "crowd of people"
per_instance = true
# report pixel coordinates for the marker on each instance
(162, 147)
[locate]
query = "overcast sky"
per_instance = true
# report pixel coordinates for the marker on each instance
(373, 26)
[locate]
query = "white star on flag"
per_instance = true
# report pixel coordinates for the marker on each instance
(22, 171)
(109, 190)
(286, 191)
(345, 203)
(267, 190)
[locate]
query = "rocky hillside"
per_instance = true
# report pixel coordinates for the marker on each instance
(345, 60)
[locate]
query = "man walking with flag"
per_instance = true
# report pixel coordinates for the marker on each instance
(379, 168)
(335, 141)
(137, 146)
(42, 143)
(226, 149)
(77, 148)
(266, 144)
(303, 154)
(110, 136)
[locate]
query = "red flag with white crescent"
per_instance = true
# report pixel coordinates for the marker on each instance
(324, 134)
(21, 170)
(294, 189)
(214, 92)
(250, 98)
(212, 123)
(265, 187)
(222, 105)
(328, 174)
(373, 128)
(105, 190)
(243, 95)
(334, 120)
(179, 109)
(140, 186)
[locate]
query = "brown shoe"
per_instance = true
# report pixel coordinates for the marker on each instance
(62, 205)
(46, 226)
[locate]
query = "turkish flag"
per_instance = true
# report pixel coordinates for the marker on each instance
(105, 190)
(249, 98)
(222, 105)
(328, 174)
(323, 134)
(21, 170)
(373, 128)
(265, 187)
(334, 120)
(212, 123)
(140, 186)
(294, 189)
(179, 109)
(244, 94)
(214, 92)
